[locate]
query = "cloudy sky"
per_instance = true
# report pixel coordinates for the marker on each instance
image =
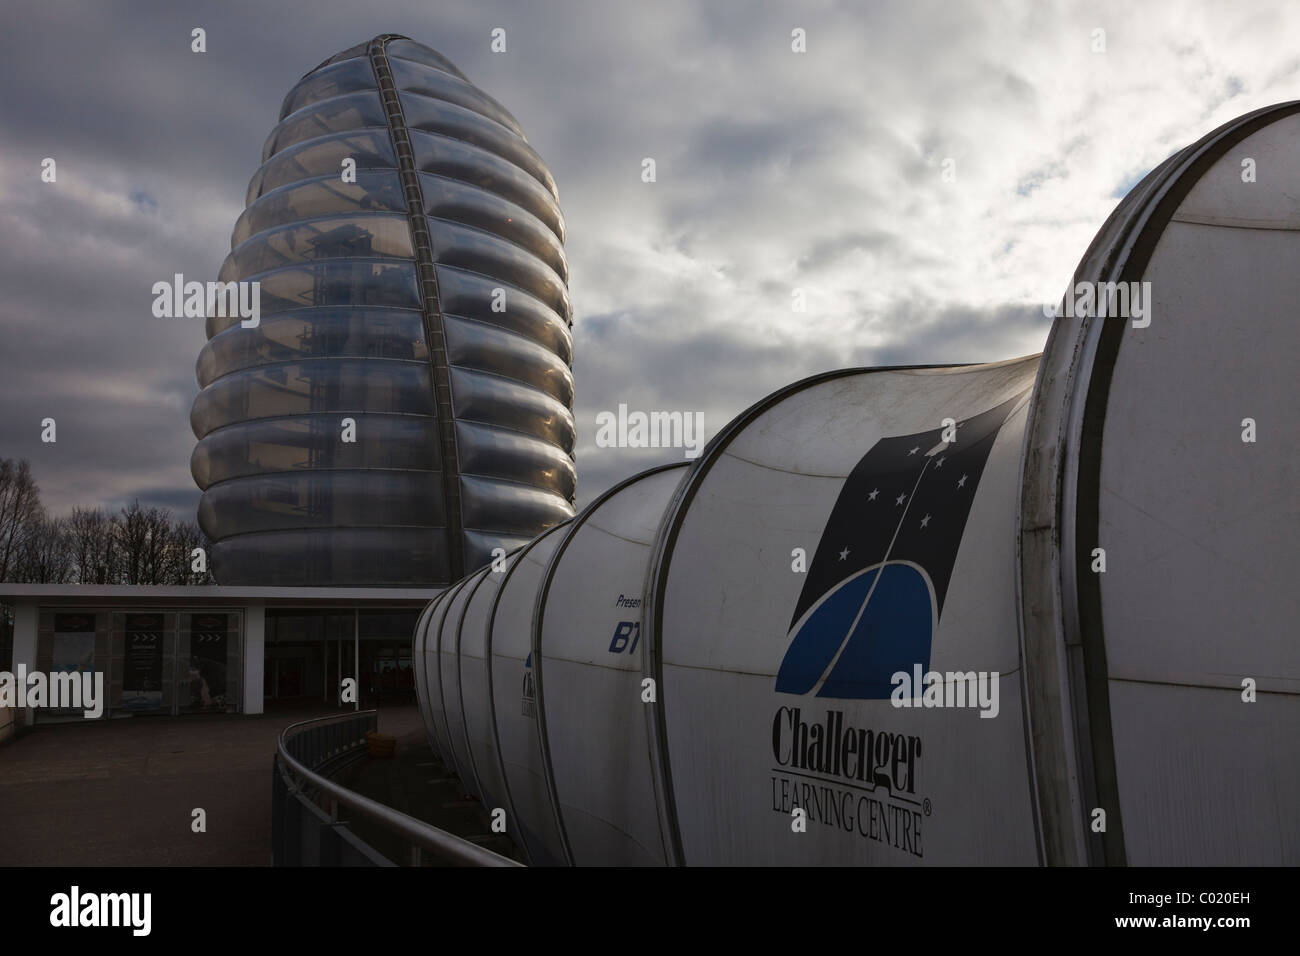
(776, 171)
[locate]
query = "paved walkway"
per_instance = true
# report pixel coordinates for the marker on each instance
(121, 792)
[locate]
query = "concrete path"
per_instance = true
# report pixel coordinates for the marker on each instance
(121, 792)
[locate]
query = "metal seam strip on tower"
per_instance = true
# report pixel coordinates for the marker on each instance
(439, 368)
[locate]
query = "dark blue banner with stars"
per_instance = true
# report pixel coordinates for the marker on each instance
(875, 588)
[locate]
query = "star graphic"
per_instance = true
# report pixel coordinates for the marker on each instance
(962, 482)
(844, 554)
(925, 521)
(915, 450)
(899, 499)
(874, 492)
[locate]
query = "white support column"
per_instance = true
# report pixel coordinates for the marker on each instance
(254, 657)
(26, 623)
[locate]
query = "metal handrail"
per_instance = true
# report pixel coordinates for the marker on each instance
(424, 835)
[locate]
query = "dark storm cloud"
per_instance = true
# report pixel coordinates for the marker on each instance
(956, 334)
(722, 372)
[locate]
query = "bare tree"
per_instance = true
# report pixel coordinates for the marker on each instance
(132, 540)
(158, 547)
(146, 550)
(20, 513)
(136, 546)
(45, 557)
(92, 540)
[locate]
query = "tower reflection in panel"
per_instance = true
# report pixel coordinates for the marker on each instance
(424, 298)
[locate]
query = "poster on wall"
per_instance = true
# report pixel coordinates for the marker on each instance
(209, 636)
(74, 644)
(142, 666)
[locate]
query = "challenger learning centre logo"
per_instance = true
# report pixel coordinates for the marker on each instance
(875, 589)
(868, 610)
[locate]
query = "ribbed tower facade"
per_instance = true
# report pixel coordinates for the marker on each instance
(404, 405)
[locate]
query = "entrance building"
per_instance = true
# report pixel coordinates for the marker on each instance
(179, 650)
